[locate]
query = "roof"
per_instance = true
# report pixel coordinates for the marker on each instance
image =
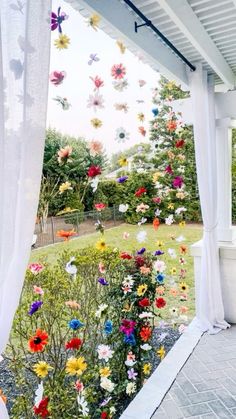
(202, 30)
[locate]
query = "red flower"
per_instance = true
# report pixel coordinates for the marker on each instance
(179, 143)
(156, 223)
(142, 131)
(139, 260)
(118, 71)
(140, 191)
(145, 302)
(94, 171)
(100, 206)
(104, 415)
(38, 341)
(160, 302)
(145, 333)
(98, 82)
(125, 255)
(169, 170)
(157, 200)
(41, 408)
(74, 343)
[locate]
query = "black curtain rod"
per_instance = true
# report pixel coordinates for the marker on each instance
(164, 39)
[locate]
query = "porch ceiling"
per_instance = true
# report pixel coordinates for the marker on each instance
(202, 30)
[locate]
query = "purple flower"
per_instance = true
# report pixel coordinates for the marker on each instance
(34, 307)
(141, 251)
(103, 281)
(158, 253)
(169, 170)
(127, 326)
(177, 182)
(122, 179)
(132, 374)
(57, 19)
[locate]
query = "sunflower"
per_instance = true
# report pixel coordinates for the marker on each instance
(101, 245)
(94, 21)
(123, 161)
(160, 244)
(105, 372)
(182, 224)
(183, 286)
(141, 290)
(161, 352)
(96, 123)
(76, 366)
(41, 369)
(173, 271)
(62, 42)
(147, 368)
(121, 135)
(141, 116)
(38, 341)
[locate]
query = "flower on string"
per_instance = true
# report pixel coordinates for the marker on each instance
(127, 326)
(107, 384)
(62, 42)
(101, 310)
(158, 253)
(42, 369)
(94, 171)
(183, 286)
(144, 302)
(123, 207)
(101, 267)
(57, 77)
(142, 221)
(38, 290)
(156, 223)
(141, 116)
(71, 268)
(103, 281)
(160, 290)
(183, 249)
(141, 83)
(140, 191)
(121, 46)
(94, 21)
(121, 135)
(98, 82)
(121, 107)
(104, 352)
(38, 341)
(130, 339)
(156, 199)
(95, 148)
(145, 333)
(66, 186)
(173, 311)
(75, 324)
(147, 368)
(173, 271)
(120, 85)
(142, 207)
(101, 245)
(141, 236)
(123, 161)
(83, 404)
(122, 179)
(177, 182)
(182, 223)
(169, 170)
(41, 408)
(146, 347)
(160, 302)
(64, 154)
(145, 270)
(118, 71)
(132, 374)
(73, 304)
(66, 234)
(95, 101)
(76, 366)
(35, 268)
(57, 19)
(130, 388)
(142, 131)
(105, 372)
(142, 288)
(99, 207)
(35, 306)
(74, 343)
(141, 251)
(96, 123)
(161, 352)
(160, 278)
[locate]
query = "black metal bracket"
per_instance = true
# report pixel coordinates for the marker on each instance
(136, 26)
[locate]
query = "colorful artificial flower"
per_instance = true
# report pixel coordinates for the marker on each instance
(182, 223)
(101, 245)
(100, 206)
(94, 171)
(79, 386)
(130, 339)
(141, 83)
(101, 267)
(179, 143)
(141, 236)
(107, 384)
(147, 368)
(122, 179)
(74, 343)
(142, 208)
(141, 289)
(42, 369)
(64, 154)
(156, 223)
(72, 304)
(66, 234)
(142, 131)
(96, 123)
(93, 58)
(95, 148)
(169, 220)
(95, 101)
(130, 388)
(171, 125)
(94, 21)
(66, 186)
(173, 311)
(144, 270)
(118, 71)
(101, 309)
(35, 268)
(104, 352)
(123, 162)
(160, 290)
(145, 302)
(57, 19)
(98, 82)
(62, 42)
(139, 260)
(126, 235)
(158, 252)
(132, 374)
(75, 324)
(174, 292)
(169, 170)
(120, 85)
(35, 306)
(140, 191)
(160, 278)
(38, 342)
(141, 116)
(121, 135)
(145, 333)
(177, 182)
(41, 408)
(160, 302)
(146, 347)
(76, 366)
(121, 46)
(38, 290)
(156, 199)
(161, 352)
(57, 77)
(125, 255)
(173, 271)
(127, 326)
(183, 286)
(121, 107)
(159, 266)
(103, 281)
(108, 327)
(63, 102)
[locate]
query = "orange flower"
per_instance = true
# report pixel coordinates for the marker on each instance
(65, 234)
(4, 399)
(160, 290)
(171, 125)
(64, 154)
(183, 249)
(145, 333)
(142, 131)
(173, 292)
(73, 304)
(183, 309)
(38, 341)
(144, 270)
(156, 223)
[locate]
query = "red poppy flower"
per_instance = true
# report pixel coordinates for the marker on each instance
(74, 343)
(104, 415)
(41, 408)
(160, 302)
(139, 260)
(140, 191)
(118, 71)
(145, 333)
(142, 131)
(100, 206)
(145, 302)
(66, 234)
(179, 143)
(38, 341)
(156, 223)
(125, 255)
(94, 171)
(171, 125)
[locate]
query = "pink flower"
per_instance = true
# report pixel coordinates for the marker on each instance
(79, 386)
(100, 206)
(64, 154)
(127, 326)
(98, 82)
(38, 290)
(118, 71)
(157, 200)
(35, 268)
(101, 267)
(169, 170)
(125, 235)
(177, 182)
(95, 147)
(57, 77)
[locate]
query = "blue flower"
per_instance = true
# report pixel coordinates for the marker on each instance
(130, 339)
(108, 327)
(141, 251)
(75, 324)
(122, 179)
(34, 307)
(155, 111)
(160, 278)
(103, 281)
(158, 253)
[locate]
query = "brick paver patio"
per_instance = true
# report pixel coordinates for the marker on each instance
(206, 386)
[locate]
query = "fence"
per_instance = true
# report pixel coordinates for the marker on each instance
(82, 222)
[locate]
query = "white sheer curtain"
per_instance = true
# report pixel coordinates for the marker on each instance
(209, 305)
(24, 66)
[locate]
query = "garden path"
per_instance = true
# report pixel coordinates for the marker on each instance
(205, 388)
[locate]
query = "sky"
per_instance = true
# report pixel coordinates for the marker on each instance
(77, 85)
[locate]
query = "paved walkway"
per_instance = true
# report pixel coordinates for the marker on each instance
(205, 388)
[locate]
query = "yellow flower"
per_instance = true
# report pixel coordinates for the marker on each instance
(66, 186)
(156, 176)
(62, 42)
(173, 271)
(121, 46)
(170, 155)
(147, 368)
(101, 245)
(170, 85)
(141, 289)
(160, 244)
(96, 123)
(161, 352)
(105, 372)
(141, 116)
(76, 366)
(182, 224)
(171, 206)
(94, 21)
(41, 369)
(183, 286)
(123, 161)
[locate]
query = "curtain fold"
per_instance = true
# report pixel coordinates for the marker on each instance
(24, 67)
(209, 304)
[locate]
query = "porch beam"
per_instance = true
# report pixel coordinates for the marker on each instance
(184, 17)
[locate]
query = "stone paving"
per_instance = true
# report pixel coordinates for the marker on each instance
(205, 388)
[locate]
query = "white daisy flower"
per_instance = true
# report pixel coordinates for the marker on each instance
(95, 101)
(123, 207)
(120, 85)
(121, 135)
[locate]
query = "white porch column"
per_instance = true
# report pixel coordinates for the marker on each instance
(226, 233)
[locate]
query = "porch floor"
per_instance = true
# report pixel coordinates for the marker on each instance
(206, 385)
